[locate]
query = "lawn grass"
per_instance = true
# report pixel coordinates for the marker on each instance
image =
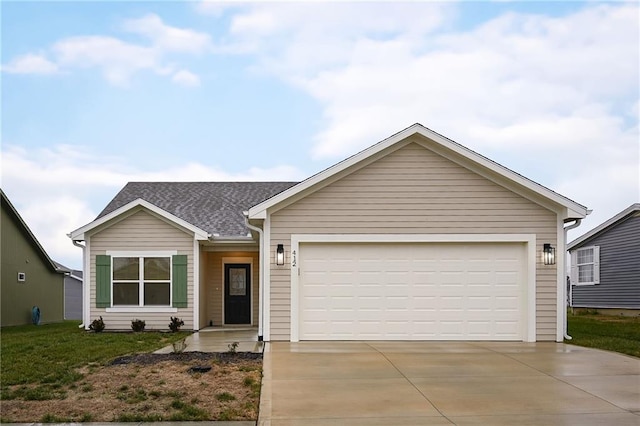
(612, 333)
(49, 355)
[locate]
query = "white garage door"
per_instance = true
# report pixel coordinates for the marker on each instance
(412, 291)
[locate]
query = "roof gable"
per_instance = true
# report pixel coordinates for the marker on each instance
(132, 207)
(34, 241)
(441, 145)
(605, 226)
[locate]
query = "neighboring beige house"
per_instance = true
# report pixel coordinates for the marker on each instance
(414, 238)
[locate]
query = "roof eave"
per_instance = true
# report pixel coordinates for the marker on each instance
(604, 226)
(50, 261)
(572, 210)
(80, 233)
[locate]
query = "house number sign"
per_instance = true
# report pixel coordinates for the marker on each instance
(294, 259)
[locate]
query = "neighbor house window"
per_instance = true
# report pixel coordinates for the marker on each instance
(586, 265)
(141, 281)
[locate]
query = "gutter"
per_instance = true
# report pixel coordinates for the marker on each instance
(564, 287)
(84, 254)
(260, 275)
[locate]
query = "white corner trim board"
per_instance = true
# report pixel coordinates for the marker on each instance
(527, 326)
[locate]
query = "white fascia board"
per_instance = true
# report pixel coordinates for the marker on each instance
(626, 212)
(79, 234)
(573, 209)
(578, 210)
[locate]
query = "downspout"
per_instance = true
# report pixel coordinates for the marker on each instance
(260, 274)
(564, 291)
(84, 253)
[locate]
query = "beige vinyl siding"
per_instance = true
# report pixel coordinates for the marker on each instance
(141, 231)
(215, 285)
(413, 191)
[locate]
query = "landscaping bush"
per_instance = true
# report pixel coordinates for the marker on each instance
(97, 325)
(175, 324)
(138, 325)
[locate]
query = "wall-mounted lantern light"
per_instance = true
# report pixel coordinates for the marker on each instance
(548, 254)
(280, 255)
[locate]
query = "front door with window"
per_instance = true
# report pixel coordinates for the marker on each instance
(237, 293)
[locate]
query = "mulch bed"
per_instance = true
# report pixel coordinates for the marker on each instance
(151, 358)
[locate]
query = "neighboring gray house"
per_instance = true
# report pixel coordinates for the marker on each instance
(72, 293)
(605, 264)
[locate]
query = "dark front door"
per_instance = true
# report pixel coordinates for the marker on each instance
(237, 293)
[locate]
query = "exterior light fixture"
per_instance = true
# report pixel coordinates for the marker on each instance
(280, 255)
(548, 254)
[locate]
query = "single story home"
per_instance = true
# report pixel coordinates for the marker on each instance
(414, 238)
(29, 277)
(72, 293)
(605, 265)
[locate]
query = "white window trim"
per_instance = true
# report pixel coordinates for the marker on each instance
(141, 308)
(575, 276)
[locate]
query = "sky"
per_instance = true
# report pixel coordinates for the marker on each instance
(97, 94)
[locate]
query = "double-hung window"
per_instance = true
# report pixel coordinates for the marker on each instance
(142, 281)
(149, 281)
(585, 265)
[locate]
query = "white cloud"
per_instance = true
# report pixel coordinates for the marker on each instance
(553, 97)
(528, 80)
(303, 38)
(30, 64)
(217, 8)
(54, 189)
(168, 38)
(186, 78)
(119, 60)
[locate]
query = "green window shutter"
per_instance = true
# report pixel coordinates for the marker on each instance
(179, 282)
(103, 281)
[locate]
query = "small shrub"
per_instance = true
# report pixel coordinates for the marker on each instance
(233, 347)
(179, 346)
(225, 396)
(97, 325)
(138, 325)
(175, 324)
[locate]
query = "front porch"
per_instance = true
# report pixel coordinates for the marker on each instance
(229, 288)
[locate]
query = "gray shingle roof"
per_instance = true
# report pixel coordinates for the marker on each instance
(215, 207)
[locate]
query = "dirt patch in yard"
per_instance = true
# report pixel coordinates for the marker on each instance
(151, 387)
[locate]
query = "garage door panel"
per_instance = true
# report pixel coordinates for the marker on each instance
(411, 291)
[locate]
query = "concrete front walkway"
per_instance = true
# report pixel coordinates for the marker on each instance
(218, 340)
(437, 383)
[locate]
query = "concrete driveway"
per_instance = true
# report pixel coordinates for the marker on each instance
(437, 383)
